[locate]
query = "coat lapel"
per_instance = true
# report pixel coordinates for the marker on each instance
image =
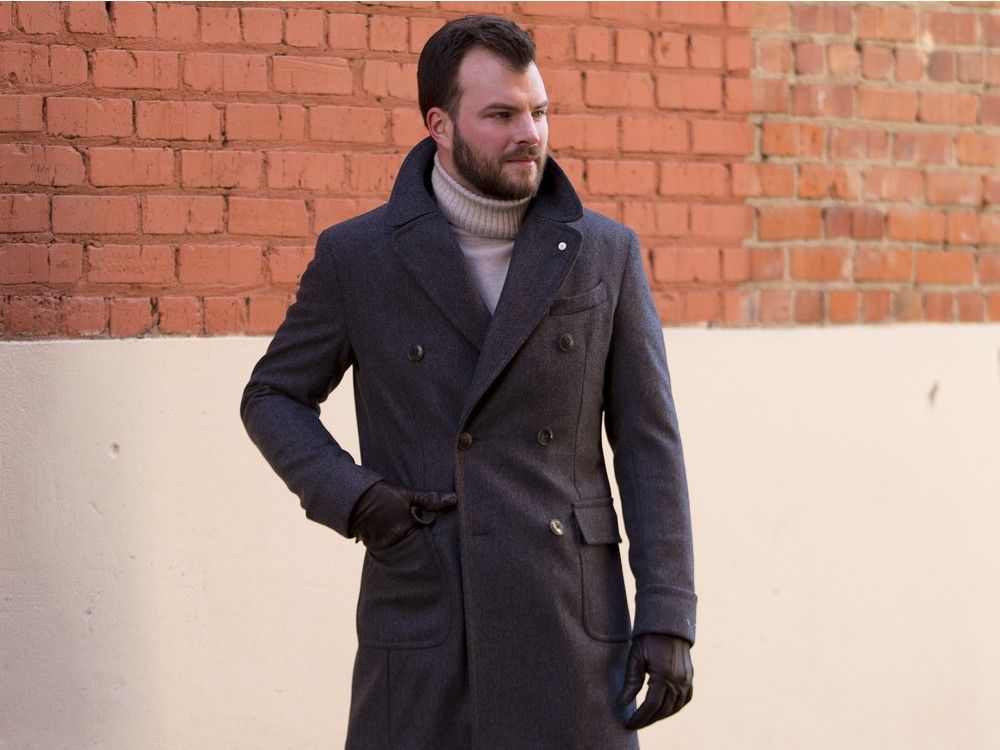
(544, 251)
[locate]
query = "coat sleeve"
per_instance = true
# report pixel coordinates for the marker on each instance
(641, 424)
(305, 361)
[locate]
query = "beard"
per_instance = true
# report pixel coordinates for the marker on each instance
(486, 174)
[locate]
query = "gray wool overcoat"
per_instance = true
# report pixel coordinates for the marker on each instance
(503, 625)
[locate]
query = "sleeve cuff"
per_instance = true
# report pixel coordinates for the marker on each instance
(665, 609)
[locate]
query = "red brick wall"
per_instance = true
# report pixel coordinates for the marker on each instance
(165, 168)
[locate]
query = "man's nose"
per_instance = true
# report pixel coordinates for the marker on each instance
(528, 130)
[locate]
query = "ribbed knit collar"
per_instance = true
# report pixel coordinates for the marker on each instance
(473, 213)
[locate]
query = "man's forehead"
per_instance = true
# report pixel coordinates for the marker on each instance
(484, 75)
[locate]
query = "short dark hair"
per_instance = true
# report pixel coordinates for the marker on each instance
(437, 69)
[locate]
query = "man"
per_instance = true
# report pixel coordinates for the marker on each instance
(490, 322)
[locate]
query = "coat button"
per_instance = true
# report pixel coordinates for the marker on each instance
(566, 342)
(465, 441)
(545, 436)
(561, 245)
(415, 353)
(556, 525)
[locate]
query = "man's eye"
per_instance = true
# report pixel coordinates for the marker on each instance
(540, 113)
(501, 115)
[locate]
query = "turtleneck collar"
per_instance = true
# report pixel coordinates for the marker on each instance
(473, 213)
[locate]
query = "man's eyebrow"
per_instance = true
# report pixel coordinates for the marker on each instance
(510, 107)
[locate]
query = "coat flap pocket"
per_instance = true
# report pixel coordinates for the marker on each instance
(578, 302)
(598, 523)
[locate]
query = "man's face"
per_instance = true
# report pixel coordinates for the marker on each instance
(499, 129)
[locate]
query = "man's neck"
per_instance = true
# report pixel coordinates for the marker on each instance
(474, 212)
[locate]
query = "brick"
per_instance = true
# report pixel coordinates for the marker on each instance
(989, 228)
(210, 71)
(721, 222)
(669, 306)
(762, 180)
(791, 139)
(220, 25)
(789, 223)
(744, 95)
(40, 165)
(993, 305)
(265, 122)
(583, 133)
(990, 110)
(633, 47)
(285, 263)
(822, 181)
(659, 134)
(220, 169)
(739, 53)
(917, 225)
(819, 264)
(991, 189)
(774, 55)
(822, 18)
(963, 227)
(185, 121)
(625, 11)
(948, 107)
(219, 265)
(888, 264)
(823, 101)
(266, 313)
(262, 25)
(182, 214)
(620, 177)
(176, 22)
(304, 28)
(65, 263)
(988, 267)
(810, 58)
(20, 113)
(944, 267)
(299, 170)
(282, 217)
(924, 148)
(702, 179)
(89, 117)
(376, 173)
(21, 212)
(766, 264)
(670, 49)
(941, 66)
(659, 218)
(843, 305)
(910, 64)
(896, 185)
(115, 166)
(692, 14)
(24, 63)
(180, 315)
(857, 223)
(686, 264)
(132, 264)
(564, 86)
(30, 316)
(224, 315)
(808, 306)
(876, 305)
(6, 19)
(842, 60)
(876, 62)
(886, 104)
(593, 43)
(688, 92)
(721, 137)
(407, 129)
(130, 317)
(949, 28)
(735, 264)
(382, 78)
(558, 9)
(706, 52)
(84, 316)
(98, 214)
(774, 306)
(348, 124)
(702, 307)
(970, 67)
(886, 22)
(421, 29)
(348, 31)
(133, 19)
(135, 69)
(939, 307)
(330, 211)
(618, 89)
(954, 188)
(24, 263)
(970, 306)
(87, 18)
(68, 65)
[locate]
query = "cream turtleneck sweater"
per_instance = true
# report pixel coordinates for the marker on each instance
(484, 227)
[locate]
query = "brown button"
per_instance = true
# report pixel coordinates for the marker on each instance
(415, 353)
(556, 525)
(465, 441)
(566, 342)
(545, 436)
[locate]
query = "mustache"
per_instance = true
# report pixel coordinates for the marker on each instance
(529, 153)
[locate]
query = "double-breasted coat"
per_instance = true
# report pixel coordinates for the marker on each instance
(504, 624)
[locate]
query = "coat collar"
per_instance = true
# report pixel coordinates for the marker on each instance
(544, 251)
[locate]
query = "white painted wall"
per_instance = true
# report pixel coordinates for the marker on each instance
(160, 588)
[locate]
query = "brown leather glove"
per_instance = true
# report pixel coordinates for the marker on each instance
(386, 514)
(668, 661)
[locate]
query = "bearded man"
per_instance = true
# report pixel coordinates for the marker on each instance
(491, 324)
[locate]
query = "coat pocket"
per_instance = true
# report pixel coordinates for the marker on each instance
(404, 600)
(579, 302)
(605, 607)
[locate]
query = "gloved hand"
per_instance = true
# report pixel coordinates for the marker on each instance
(386, 514)
(668, 661)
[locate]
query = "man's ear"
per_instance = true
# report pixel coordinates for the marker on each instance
(439, 127)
